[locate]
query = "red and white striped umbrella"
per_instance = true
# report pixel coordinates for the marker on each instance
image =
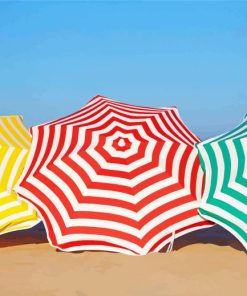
(114, 177)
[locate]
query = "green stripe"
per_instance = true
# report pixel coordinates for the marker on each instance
(227, 175)
(241, 163)
(228, 208)
(214, 169)
(202, 163)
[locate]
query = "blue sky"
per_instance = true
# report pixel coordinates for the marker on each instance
(55, 56)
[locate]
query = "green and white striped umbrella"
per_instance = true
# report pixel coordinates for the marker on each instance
(224, 161)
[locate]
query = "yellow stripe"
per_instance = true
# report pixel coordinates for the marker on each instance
(3, 151)
(9, 168)
(21, 168)
(17, 139)
(13, 137)
(18, 122)
(8, 198)
(19, 226)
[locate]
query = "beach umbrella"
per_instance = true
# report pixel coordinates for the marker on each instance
(15, 141)
(224, 201)
(114, 177)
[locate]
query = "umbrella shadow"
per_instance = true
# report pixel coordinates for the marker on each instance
(213, 235)
(34, 235)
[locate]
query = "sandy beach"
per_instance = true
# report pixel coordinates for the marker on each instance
(209, 262)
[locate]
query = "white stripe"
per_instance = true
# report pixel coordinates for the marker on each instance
(208, 175)
(21, 226)
(172, 229)
(5, 140)
(42, 149)
(5, 161)
(234, 170)
(20, 125)
(135, 144)
(199, 184)
(15, 168)
(33, 149)
(11, 136)
(244, 144)
(185, 130)
(175, 130)
(231, 230)
(10, 218)
(226, 215)
(8, 205)
(166, 131)
(218, 191)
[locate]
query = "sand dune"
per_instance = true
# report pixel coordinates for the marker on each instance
(199, 265)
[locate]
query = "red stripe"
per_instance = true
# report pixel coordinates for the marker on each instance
(194, 177)
(178, 119)
(195, 225)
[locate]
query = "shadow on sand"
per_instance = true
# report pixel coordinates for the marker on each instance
(213, 235)
(35, 235)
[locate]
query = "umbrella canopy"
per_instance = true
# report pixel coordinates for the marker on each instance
(115, 177)
(15, 141)
(223, 159)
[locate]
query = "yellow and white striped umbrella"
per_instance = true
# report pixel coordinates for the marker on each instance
(15, 141)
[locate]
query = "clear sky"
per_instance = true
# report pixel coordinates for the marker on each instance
(55, 56)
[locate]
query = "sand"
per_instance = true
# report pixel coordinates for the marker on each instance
(209, 262)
